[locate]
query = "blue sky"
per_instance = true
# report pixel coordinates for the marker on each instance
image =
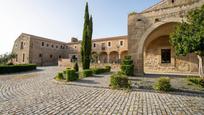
(63, 19)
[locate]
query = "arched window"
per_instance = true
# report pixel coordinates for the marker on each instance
(172, 1)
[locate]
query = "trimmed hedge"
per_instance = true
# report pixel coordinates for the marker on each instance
(87, 73)
(16, 68)
(118, 81)
(71, 75)
(127, 66)
(108, 68)
(101, 70)
(163, 84)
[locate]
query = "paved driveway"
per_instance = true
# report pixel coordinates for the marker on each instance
(36, 93)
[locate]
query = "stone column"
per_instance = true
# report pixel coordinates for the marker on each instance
(108, 57)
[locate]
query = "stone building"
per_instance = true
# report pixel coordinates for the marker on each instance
(108, 50)
(38, 50)
(148, 37)
(147, 42)
(44, 51)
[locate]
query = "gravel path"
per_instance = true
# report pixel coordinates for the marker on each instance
(37, 93)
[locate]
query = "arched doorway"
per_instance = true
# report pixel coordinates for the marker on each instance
(123, 54)
(114, 57)
(158, 55)
(103, 57)
(94, 57)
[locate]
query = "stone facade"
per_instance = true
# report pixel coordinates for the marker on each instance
(44, 51)
(108, 50)
(147, 42)
(148, 34)
(38, 50)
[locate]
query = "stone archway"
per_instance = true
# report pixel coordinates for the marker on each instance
(114, 57)
(123, 54)
(103, 57)
(152, 56)
(94, 57)
(156, 30)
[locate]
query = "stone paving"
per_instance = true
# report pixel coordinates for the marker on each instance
(37, 93)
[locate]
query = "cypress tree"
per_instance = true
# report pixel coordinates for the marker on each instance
(86, 39)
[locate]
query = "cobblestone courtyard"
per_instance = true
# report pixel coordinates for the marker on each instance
(37, 93)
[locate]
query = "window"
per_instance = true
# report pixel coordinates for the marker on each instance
(23, 57)
(109, 44)
(121, 43)
(52, 46)
(75, 47)
(165, 56)
(66, 47)
(51, 56)
(94, 45)
(156, 20)
(173, 1)
(40, 55)
(47, 45)
(139, 20)
(56, 46)
(43, 43)
(21, 45)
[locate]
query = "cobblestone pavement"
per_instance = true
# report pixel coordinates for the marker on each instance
(36, 93)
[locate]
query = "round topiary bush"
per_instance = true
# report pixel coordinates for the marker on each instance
(163, 84)
(118, 81)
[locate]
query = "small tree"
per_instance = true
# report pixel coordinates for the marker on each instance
(86, 43)
(5, 58)
(189, 36)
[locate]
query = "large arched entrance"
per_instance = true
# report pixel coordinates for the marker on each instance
(157, 55)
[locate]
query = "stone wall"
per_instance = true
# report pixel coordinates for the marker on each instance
(21, 48)
(153, 63)
(142, 25)
(38, 50)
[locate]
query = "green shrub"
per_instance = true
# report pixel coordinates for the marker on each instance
(196, 80)
(132, 13)
(71, 75)
(87, 73)
(59, 76)
(108, 68)
(16, 68)
(64, 72)
(101, 70)
(127, 62)
(163, 84)
(127, 66)
(128, 70)
(76, 67)
(118, 81)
